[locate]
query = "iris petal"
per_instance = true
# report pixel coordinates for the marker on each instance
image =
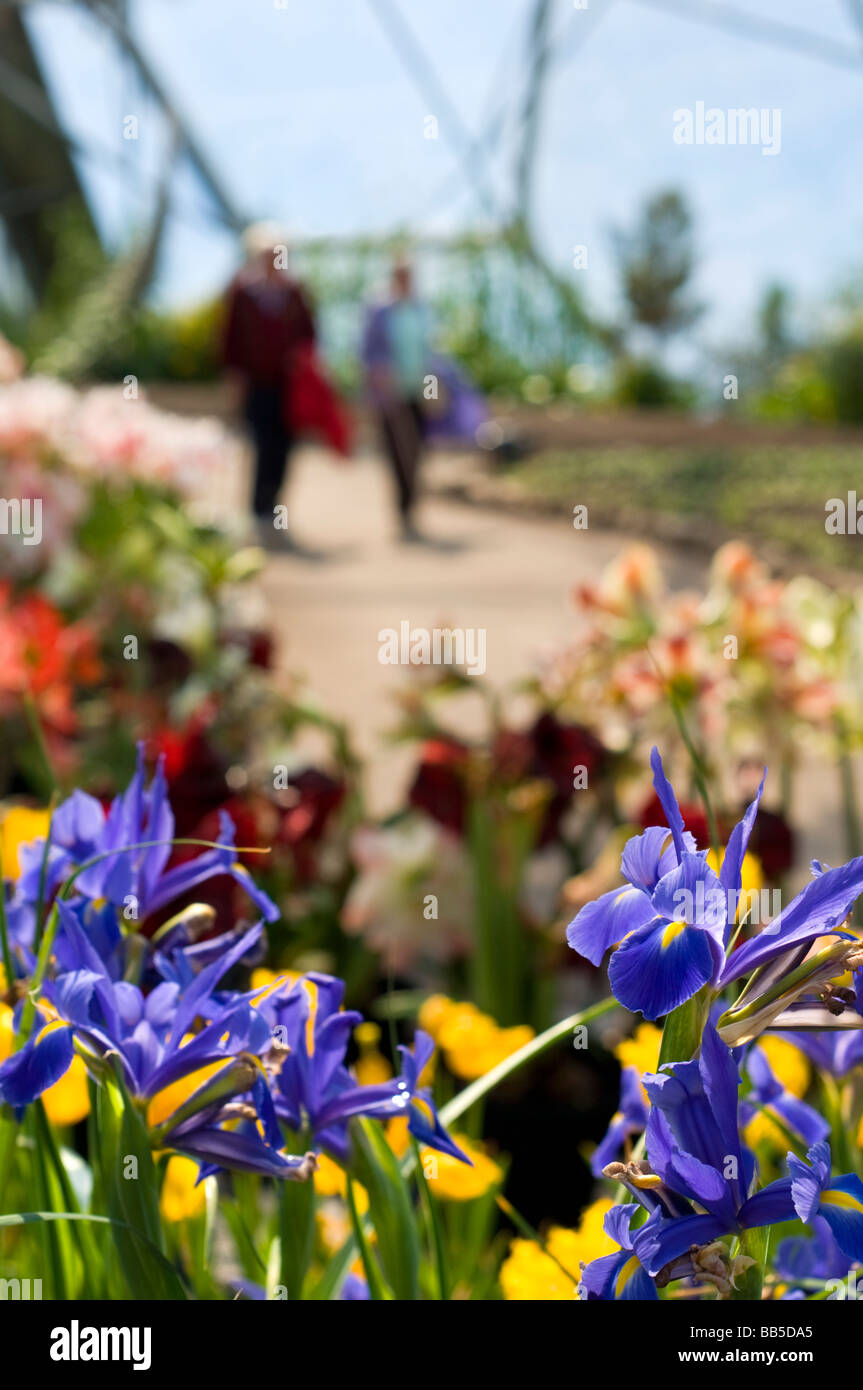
(601, 924)
(653, 974)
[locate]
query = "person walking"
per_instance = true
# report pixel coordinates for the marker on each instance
(396, 352)
(268, 316)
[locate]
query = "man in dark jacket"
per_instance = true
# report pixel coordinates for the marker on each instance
(268, 316)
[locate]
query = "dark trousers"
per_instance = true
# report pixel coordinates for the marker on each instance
(402, 426)
(272, 441)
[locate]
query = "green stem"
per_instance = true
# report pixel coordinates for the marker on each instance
(748, 1286)
(435, 1229)
(681, 1035)
(457, 1107)
(699, 775)
(31, 713)
(525, 1229)
(851, 815)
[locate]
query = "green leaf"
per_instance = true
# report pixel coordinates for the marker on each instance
(131, 1192)
(681, 1036)
(56, 1242)
(296, 1233)
(377, 1286)
(331, 1281)
(391, 1208)
(436, 1231)
(30, 1218)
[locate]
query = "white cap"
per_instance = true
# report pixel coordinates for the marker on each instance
(261, 237)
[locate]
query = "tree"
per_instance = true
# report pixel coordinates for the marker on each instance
(656, 260)
(773, 324)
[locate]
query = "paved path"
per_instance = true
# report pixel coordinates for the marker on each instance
(512, 577)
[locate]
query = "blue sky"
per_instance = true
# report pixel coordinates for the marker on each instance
(305, 110)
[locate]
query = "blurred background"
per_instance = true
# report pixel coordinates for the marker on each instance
(664, 345)
(495, 141)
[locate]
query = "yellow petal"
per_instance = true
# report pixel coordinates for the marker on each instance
(68, 1101)
(20, 826)
(454, 1181)
(180, 1199)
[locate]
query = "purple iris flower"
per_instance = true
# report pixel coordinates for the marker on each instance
(767, 1092)
(811, 1257)
(834, 1052)
(44, 1058)
(815, 1192)
(670, 923)
(20, 917)
(355, 1289)
(620, 1277)
(820, 909)
(132, 879)
(147, 1035)
(698, 1182)
(673, 920)
(314, 1087)
(629, 1119)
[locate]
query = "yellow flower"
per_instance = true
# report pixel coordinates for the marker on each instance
(471, 1041)
(180, 1199)
(641, 1050)
(372, 1067)
(68, 1101)
(329, 1177)
(433, 1013)
(791, 1068)
(333, 1225)
(789, 1065)
(7, 1033)
(764, 1128)
(397, 1135)
(455, 1181)
(19, 826)
(331, 1180)
(529, 1273)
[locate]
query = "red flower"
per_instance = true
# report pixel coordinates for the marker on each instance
(316, 797)
(257, 643)
(560, 748)
(195, 774)
(439, 787)
(43, 656)
(694, 819)
(773, 843)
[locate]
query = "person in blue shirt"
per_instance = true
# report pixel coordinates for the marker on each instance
(397, 353)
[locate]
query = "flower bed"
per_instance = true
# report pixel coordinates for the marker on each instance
(255, 1043)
